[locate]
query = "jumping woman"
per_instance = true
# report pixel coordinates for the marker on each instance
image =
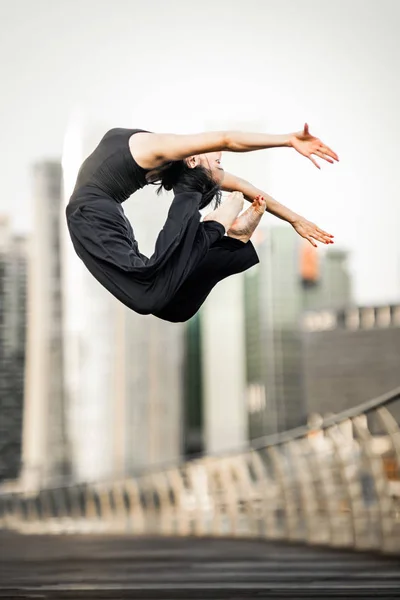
(191, 256)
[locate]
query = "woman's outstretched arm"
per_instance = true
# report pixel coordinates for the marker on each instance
(304, 228)
(154, 149)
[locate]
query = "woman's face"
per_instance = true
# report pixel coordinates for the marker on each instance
(212, 162)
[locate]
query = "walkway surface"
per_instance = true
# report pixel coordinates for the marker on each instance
(104, 567)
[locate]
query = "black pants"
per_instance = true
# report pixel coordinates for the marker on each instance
(190, 257)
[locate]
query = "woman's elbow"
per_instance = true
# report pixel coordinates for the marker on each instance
(227, 141)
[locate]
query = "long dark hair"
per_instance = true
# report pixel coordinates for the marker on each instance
(178, 176)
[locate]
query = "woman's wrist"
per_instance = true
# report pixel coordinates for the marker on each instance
(296, 219)
(281, 211)
(286, 140)
(291, 137)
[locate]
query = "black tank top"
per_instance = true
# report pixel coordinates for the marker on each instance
(111, 168)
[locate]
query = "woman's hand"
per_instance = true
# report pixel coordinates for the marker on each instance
(311, 232)
(309, 146)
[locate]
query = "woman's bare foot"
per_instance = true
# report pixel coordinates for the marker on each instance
(243, 227)
(228, 211)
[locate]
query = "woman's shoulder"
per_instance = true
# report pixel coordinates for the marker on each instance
(124, 131)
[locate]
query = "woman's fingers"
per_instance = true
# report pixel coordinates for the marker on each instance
(314, 161)
(324, 238)
(324, 232)
(320, 238)
(322, 151)
(312, 231)
(323, 156)
(326, 150)
(329, 152)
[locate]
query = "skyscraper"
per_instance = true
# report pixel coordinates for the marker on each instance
(45, 448)
(332, 287)
(13, 263)
(290, 279)
(89, 335)
(193, 410)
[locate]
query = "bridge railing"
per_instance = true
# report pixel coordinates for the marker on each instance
(335, 484)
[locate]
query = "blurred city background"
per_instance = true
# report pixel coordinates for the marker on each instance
(273, 413)
(90, 390)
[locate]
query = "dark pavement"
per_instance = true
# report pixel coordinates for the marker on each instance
(100, 567)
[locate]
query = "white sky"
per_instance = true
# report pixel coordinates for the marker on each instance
(174, 65)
